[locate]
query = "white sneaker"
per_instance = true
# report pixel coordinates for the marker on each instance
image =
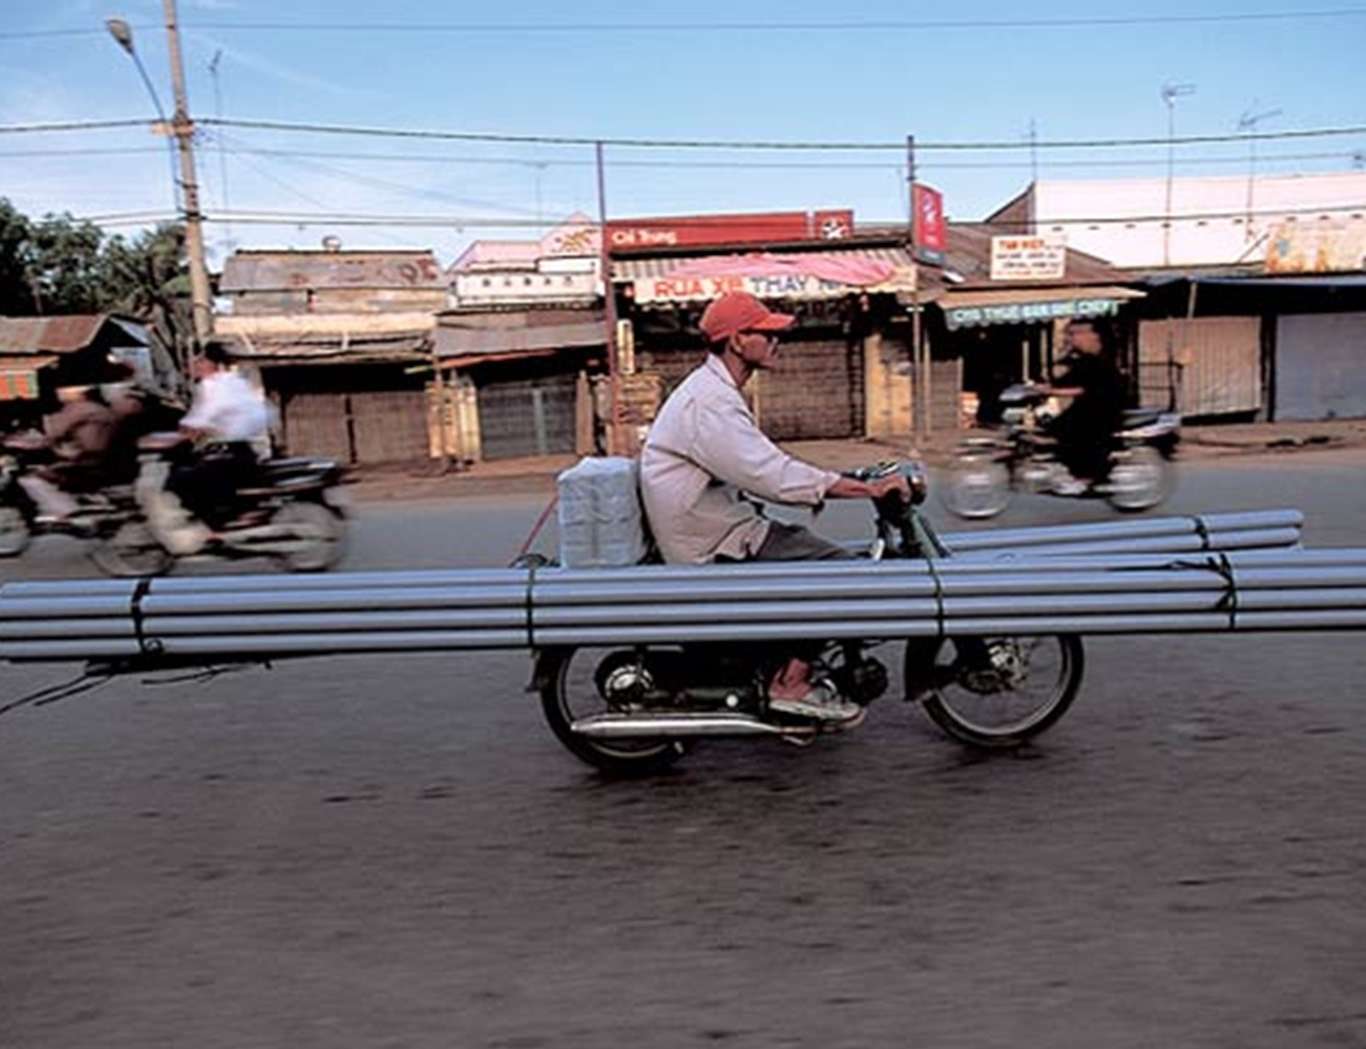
(819, 703)
(1070, 486)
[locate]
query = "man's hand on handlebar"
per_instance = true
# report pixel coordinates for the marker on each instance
(876, 488)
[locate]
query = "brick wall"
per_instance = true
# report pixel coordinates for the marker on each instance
(815, 391)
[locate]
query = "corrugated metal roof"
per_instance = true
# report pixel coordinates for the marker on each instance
(632, 269)
(330, 348)
(26, 362)
(969, 254)
(953, 298)
(452, 342)
(49, 334)
(295, 270)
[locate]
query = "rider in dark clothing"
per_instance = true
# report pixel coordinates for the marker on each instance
(1086, 429)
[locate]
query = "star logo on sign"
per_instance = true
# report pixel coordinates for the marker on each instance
(834, 229)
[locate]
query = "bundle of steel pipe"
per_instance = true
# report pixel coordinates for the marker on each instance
(1248, 530)
(243, 617)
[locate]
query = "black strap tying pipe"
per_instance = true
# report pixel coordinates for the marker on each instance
(148, 646)
(1202, 530)
(530, 615)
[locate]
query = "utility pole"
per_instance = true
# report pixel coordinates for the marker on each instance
(920, 370)
(222, 153)
(610, 315)
(1248, 123)
(1170, 93)
(183, 129)
(1033, 153)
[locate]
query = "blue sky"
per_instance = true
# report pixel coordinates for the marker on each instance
(944, 85)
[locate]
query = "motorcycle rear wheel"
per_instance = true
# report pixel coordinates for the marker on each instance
(1029, 685)
(1139, 480)
(328, 529)
(975, 487)
(131, 551)
(14, 532)
(570, 689)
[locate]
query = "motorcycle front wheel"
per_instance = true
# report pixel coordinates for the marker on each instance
(975, 487)
(14, 531)
(571, 685)
(995, 693)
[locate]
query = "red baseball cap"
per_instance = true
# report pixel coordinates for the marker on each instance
(738, 311)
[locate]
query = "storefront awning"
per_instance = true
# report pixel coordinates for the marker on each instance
(19, 375)
(973, 309)
(806, 275)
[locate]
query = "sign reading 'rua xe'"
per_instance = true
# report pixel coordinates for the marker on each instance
(704, 230)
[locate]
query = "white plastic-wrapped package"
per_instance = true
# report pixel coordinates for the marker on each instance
(599, 513)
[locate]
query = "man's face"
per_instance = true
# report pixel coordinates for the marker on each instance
(1083, 338)
(201, 368)
(758, 349)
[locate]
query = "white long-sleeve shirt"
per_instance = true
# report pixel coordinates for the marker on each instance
(227, 408)
(702, 451)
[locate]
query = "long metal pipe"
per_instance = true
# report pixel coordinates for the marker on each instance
(802, 584)
(1140, 528)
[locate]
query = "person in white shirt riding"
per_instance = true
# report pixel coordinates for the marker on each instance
(705, 450)
(228, 417)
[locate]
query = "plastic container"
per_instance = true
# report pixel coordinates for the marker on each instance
(600, 514)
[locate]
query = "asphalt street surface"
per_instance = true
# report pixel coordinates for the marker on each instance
(395, 852)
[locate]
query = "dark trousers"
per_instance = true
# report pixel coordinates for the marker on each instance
(787, 542)
(207, 487)
(1084, 440)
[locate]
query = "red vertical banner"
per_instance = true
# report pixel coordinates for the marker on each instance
(929, 229)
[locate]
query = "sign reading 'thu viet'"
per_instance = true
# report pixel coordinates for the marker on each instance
(1034, 257)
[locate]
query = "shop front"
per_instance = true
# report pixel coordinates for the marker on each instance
(983, 340)
(848, 348)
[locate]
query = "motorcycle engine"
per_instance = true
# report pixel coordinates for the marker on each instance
(861, 682)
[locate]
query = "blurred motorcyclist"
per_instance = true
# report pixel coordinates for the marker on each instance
(228, 420)
(90, 440)
(1086, 428)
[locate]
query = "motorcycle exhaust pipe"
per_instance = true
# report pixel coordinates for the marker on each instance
(657, 726)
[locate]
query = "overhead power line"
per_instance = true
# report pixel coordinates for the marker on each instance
(648, 143)
(725, 165)
(821, 26)
(292, 218)
(689, 144)
(758, 165)
(73, 125)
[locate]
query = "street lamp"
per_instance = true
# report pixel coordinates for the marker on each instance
(182, 128)
(122, 33)
(1170, 93)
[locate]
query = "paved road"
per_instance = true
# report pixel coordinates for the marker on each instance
(395, 852)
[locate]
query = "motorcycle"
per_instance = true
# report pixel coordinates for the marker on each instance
(99, 513)
(987, 471)
(292, 511)
(639, 709)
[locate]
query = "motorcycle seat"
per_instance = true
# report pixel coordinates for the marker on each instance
(294, 470)
(1134, 417)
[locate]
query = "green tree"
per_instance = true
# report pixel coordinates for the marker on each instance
(60, 265)
(65, 271)
(16, 296)
(150, 278)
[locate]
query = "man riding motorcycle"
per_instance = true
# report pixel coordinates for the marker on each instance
(229, 420)
(704, 451)
(89, 439)
(1087, 427)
